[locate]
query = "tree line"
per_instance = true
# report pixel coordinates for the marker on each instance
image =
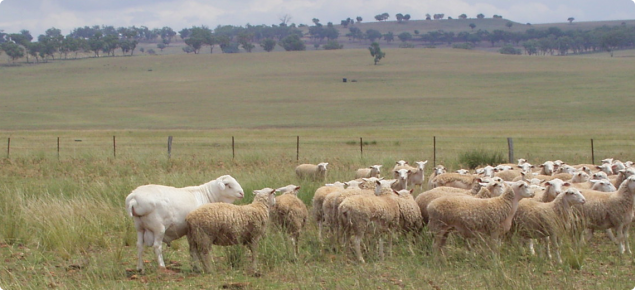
(106, 40)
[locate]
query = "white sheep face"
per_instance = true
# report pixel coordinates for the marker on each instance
(267, 193)
(574, 196)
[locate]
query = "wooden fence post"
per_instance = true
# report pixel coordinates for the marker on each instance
(434, 151)
(297, 148)
(233, 149)
(169, 147)
(8, 147)
(510, 146)
(361, 146)
(114, 147)
(58, 148)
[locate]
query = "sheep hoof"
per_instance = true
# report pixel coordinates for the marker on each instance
(257, 273)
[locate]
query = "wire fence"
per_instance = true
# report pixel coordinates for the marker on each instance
(436, 149)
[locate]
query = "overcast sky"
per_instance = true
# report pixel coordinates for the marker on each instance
(39, 15)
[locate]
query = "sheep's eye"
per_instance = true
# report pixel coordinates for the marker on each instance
(228, 185)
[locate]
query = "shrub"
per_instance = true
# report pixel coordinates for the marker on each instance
(476, 158)
(332, 44)
(406, 45)
(467, 45)
(508, 49)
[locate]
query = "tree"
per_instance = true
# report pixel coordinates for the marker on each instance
(96, 43)
(509, 24)
(570, 19)
(375, 51)
(388, 37)
(508, 49)
(480, 16)
(285, 19)
(406, 17)
(359, 19)
(333, 44)
(404, 36)
(13, 50)
(463, 16)
(399, 17)
(161, 46)
(268, 44)
(372, 35)
(472, 25)
(292, 43)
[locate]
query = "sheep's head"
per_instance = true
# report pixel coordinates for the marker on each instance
(548, 167)
(229, 188)
(554, 187)
(440, 169)
(522, 190)
(580, 177)
(603, 185)
(401, 163)
(574, 196)
(600, 175)
(421, 164)
(292, 189)
(322, 166)
(268, 195)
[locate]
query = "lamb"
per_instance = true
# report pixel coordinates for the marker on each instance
(226, 224)
(312, 171)
(611, 210)
(372, 171)
(472, 216)
(416, 177)
(535, 219)
(357, 213)
(159, 211)
(290, 213)
(318, 201)
(439, 169)
(402, 176)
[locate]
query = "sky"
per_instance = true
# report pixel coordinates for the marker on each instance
(39, 15)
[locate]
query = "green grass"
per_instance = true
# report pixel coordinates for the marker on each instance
(62, 219)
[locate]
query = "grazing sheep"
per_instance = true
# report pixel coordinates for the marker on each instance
(357, 214)
(226, 224)
(603, 185)
(535, 219)
(334, 199)
(290, 213)
(159, 211)
(372, 171)
(318, 201)
(472, 216)
(612, 210)
(416, 178)
(552, 188)
(312, 171)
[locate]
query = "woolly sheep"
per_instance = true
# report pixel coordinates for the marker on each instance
(290, 213)
(312, 171)
(226, 224)
(357, 214)
(612, 210)
(535, 219)
(417, 177)
(159, 211)
(462, 171)
(487, 171)
(402, 176)
(439, 169)
(471, 216)
(318, 201)
(371, 171)
(454, 180)
(547, 168)
(552, 189)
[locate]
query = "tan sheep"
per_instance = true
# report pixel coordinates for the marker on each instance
(312, 171)
(455, 180)
(417, 177)
(548, 221)
(472, 217)
(290, 213)
(318, 200)
(225, 224)
(371, 171)
(439, 169)
(612, 210)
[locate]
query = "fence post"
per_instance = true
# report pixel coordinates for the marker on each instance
(361, 146)
(510, 146)
(169, 147)
(58, 148)
(592, 153)
(114, 147)
(8, 147)
(233, 149)
(297, 148)
(434, 151)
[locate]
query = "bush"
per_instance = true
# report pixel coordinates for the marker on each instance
(467, 45)
(475, 158)
(508, 49)
(231, 47)
(332, 44)
(406, 45)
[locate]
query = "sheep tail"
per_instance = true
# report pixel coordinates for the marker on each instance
(130, 208)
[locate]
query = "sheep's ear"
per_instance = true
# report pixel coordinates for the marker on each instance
(566, 184)
(411, 190)
(396, 192)
(222, 185)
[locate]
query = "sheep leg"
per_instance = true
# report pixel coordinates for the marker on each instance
(140, 252)
(556, 247)
(320, 232)
(620, 238)
(157, 246)
(381, 248)
(253, 246)
(530, 243)
(357, 240)
(609, 233)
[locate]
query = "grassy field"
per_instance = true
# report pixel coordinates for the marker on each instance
(62, 221)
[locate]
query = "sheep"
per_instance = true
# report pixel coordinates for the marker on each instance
(334, 199)
(290, 213)
(226, 224)
(357, 213)
(487, 171)
(372, 171)
(402, 176)
(312, 171)
(508, 175)
(547, 168)
(479, 190)
(159, 211)
(611, 210)
(535, 219)
(454, 180)
(439, 169)
(472, 216)
(416, 178)
(318, 201)
(462, 171)
(552, 189)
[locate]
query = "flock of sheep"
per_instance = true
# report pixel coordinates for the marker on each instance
(546, 202)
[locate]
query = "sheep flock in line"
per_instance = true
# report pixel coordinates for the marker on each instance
(546, 203)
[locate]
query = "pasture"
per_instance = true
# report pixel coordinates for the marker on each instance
(62, 219)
